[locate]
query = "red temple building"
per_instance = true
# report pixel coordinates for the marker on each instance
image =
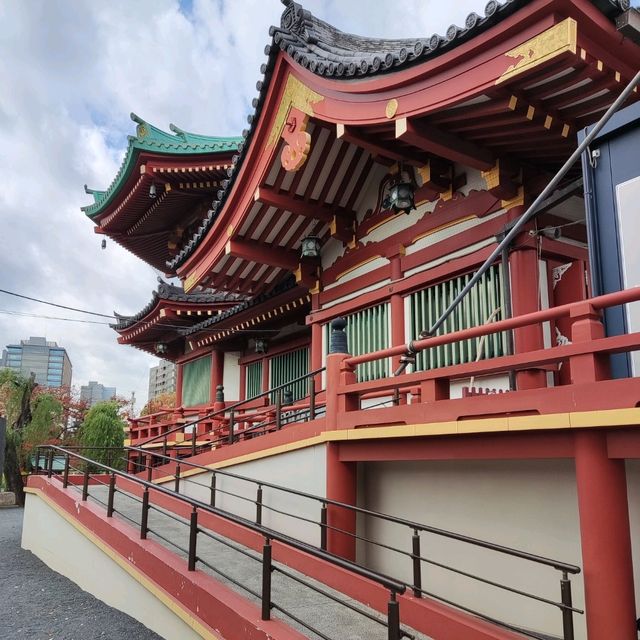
(316, 251)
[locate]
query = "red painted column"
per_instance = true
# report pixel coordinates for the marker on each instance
(342, 487)
(605, 539)
(217, 372)
(523, 266)
(178, 385)
(397, 312)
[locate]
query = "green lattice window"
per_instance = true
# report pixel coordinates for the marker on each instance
(367, 331)
(289, 366)
(196, 382)
(484, 302)
(253, 379)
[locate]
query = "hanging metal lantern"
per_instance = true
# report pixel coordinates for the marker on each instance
(310, 247)
(261, 345)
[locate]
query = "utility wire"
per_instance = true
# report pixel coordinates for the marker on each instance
(53, 304)
(36, 315)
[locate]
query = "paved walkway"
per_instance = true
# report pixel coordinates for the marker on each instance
(37, 603)
(332, 620)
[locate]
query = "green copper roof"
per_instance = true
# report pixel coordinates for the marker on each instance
(150, 138)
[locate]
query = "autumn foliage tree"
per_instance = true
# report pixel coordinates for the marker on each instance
(159, 403)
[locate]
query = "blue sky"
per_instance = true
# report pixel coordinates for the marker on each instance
(77, 69)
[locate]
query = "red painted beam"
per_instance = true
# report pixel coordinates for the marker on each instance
(352, 135)
(262, 253)
(443, 144)
(288, 202)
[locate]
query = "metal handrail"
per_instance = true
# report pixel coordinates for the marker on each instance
(556, 564)
(234, 406)
(565, 604)
(394, 587)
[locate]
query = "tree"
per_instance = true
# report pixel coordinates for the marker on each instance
(159, 403)
(15, 393)
(103, 428)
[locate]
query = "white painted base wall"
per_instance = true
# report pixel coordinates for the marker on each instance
(64, 549)
(529, 505)
(303, 470)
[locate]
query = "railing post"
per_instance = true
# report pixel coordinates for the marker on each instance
(193, 539)
(338, 375)
(194, 437)
(312, 399)
(417, 564)
(112, 491)
(149, 467)
(587, 326)
(212, 501)
(144, 519)
(37, 460)
(50, 463)
(323, 526)
(231, 425)
(393, 617)
(259, 505)
(176, 486)
(65, 475)
(266, 579)
(85, 482)
(567, 613)
(164, 446)
(278, 409)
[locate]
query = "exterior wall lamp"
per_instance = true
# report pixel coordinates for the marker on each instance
(261, 345)
(310, 247)
(152, 190)
(161, 348)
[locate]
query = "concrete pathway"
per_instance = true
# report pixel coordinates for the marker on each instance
(37, 603)
(329, 618)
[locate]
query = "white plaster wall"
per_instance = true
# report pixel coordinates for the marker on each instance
(231, 376)
(529, 505)
(303, 470)
(633, 488)
(64, 549)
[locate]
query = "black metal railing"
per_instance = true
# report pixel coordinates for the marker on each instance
(150, 463)
(84, 468)
(282, 412)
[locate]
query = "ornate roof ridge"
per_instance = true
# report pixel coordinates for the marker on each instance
(300, 26)
(284, 286)
(151, 138)
(173, 293)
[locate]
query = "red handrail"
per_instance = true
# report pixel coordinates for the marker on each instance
(600, 302)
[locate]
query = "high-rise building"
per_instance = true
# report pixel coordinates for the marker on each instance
(49, 362)
(162, 379)
(94, 392)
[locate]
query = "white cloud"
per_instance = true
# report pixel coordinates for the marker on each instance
(72, 72)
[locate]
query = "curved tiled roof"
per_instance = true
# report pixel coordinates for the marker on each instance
(286, 285)
(167, 291)
(150, 138)
(327, 51)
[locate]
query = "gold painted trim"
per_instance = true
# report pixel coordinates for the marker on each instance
(447, 225)
(554, 41)
(392, 108)
(357, 266)
(296, 94)
(608, 418)
(516, 201)
(137, 575)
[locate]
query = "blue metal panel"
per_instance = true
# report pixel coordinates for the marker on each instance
(619, 160)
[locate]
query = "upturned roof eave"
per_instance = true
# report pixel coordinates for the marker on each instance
(151, 139)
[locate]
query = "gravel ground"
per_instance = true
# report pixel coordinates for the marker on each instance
(40, 604)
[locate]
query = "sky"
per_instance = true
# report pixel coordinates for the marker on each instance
(71, 72)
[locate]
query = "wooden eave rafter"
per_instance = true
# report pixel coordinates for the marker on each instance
(425, 103)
